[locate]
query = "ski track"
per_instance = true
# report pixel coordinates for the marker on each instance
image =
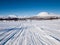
(31, 33)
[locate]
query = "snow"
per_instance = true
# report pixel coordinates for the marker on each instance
(44, 32)
(12, 16)
(44, 14)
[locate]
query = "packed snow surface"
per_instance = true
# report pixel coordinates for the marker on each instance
(44, 32)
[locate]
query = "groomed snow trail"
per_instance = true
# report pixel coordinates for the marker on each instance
(30, 32)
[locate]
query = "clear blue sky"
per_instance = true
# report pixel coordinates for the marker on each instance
(28, 7)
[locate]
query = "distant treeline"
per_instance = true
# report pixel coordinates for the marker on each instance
(15, 19)
(30, 18)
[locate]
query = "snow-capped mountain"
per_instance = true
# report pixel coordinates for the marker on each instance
(40, 16)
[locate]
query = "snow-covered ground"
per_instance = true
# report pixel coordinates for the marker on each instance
(44, 32)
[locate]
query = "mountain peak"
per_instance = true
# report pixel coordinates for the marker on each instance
(43, 14)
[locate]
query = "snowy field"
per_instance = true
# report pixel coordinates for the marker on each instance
(44, 32)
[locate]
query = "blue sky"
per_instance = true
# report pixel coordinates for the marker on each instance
(28, 7)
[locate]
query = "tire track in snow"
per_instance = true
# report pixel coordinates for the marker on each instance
(9, 35)
(47, 36)
(33, 35)
(16, 37)
(37, 39)
(55, 38)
